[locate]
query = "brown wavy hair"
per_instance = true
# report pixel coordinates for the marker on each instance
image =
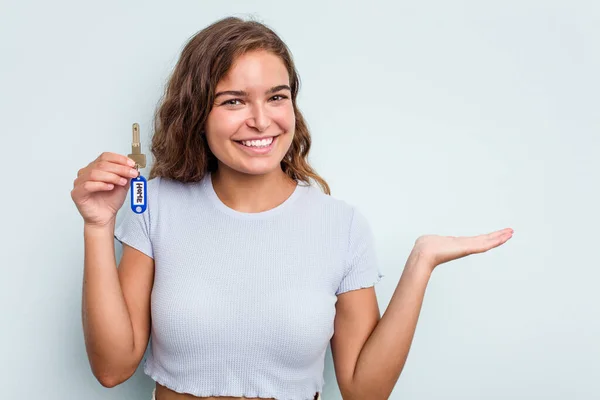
(179, 144)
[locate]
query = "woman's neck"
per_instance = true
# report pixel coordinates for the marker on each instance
(252, 193)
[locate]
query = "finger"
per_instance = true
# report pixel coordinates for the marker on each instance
(496, 234)
(500, 237)
(119, 169)
(107, 159)
(91, 187)
(485, 242)
(504, 231)
(95, 186)
(106, 166)
(116, 158)
(490, 236)
(99, 175)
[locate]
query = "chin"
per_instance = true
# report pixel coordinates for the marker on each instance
(252, 165)
(259, 170)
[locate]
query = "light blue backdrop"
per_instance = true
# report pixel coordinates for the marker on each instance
(454, 118)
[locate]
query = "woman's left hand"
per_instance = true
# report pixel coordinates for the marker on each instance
(437, 249)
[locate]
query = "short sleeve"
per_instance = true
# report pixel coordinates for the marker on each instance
(362, 268)
(134, 229)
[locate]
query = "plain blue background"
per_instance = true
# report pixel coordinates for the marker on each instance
(455, 118)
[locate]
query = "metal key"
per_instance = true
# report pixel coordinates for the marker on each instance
(136, 147)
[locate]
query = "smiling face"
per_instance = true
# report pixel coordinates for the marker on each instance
(251, 125)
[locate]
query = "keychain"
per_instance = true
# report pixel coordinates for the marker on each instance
(138, 187)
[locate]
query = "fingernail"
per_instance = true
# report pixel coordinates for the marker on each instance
(131, 162)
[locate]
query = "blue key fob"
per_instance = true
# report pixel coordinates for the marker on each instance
(139, 194)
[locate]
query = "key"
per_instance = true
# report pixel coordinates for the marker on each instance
(136, 147)
(138, 186)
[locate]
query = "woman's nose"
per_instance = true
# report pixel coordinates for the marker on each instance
(259, 118)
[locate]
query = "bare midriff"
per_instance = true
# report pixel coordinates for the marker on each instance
(164, 393)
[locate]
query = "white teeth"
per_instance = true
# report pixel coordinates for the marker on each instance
(258, 143)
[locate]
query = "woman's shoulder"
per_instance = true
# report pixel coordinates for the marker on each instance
(316, 198)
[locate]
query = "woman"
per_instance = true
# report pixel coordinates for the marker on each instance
(240, 270)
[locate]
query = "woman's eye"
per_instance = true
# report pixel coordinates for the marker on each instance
(282, 97)
(277, 97)
(229, 102)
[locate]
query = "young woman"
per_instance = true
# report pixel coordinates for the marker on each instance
(241, 272)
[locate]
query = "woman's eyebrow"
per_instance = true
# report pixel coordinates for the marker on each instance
(245, 94)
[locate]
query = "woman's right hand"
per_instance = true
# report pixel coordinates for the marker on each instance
(101, 188)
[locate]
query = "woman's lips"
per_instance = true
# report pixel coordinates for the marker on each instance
(258, 150)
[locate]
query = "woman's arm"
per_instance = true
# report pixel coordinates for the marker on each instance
(382, 351)
(369, 355)
(115, 306)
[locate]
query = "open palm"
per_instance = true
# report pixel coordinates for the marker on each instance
(441, 249)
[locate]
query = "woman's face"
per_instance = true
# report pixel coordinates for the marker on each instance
(251, 131)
